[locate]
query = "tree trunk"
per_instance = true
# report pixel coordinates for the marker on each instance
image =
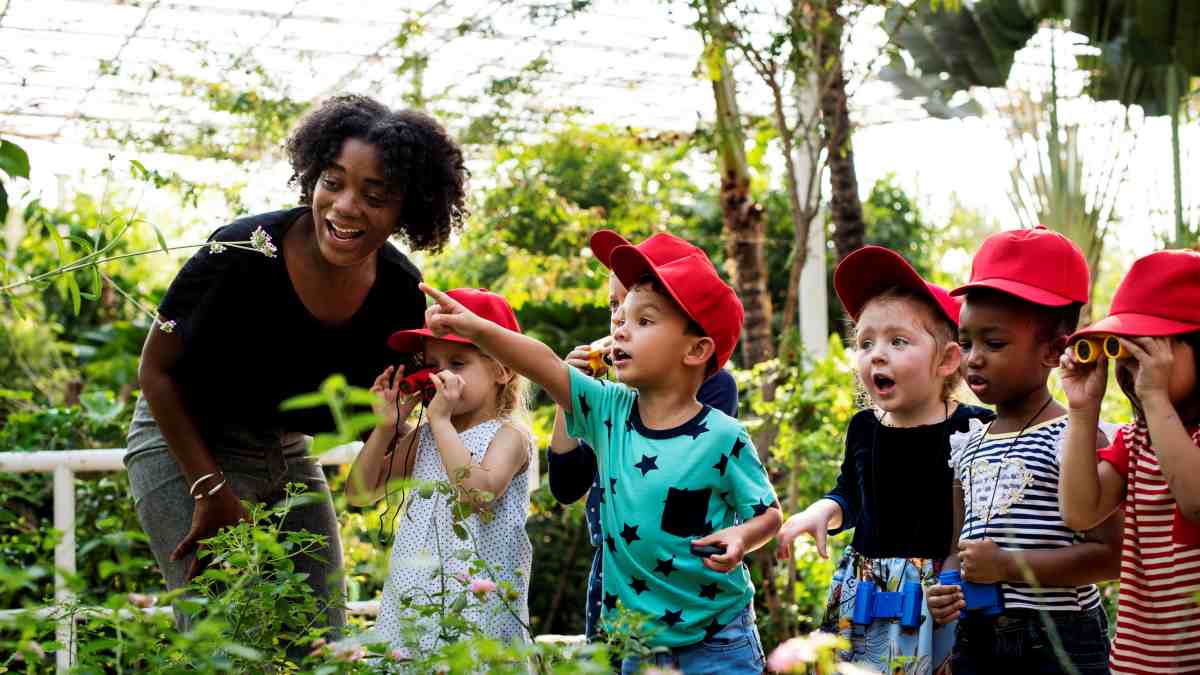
(741, 215)
(845, 206)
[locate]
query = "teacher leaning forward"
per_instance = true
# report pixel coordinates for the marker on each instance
(239, 332)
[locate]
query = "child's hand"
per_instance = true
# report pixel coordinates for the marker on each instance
(578, 358)
(1083, 383)
(1156, 358)
(449, 392)
(735, 550)
(982, 561)
(944, 602)
(815, 524)
(448, 315)
(386, 392)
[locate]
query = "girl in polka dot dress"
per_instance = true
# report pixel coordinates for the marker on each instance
(470, 438)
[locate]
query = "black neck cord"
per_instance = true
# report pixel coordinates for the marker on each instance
(1000, 467)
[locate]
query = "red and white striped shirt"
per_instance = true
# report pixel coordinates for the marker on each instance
(1158, 610)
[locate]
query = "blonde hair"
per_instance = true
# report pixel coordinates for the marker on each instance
(941, 329)
(512, 402)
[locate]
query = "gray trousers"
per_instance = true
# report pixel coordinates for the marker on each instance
(258, 465)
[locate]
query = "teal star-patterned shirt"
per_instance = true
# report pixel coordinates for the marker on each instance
(660, 489)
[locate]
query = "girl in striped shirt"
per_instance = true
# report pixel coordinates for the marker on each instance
(1152, 466)
(1027, 287)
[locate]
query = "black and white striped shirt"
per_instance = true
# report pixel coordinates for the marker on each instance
(1011, 488)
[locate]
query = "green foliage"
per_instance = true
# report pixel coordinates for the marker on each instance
(15, 163)
(812, 408)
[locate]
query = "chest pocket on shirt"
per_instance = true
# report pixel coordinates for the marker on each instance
(686, 512)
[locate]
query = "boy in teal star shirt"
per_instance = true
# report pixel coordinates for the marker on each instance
(676, 474)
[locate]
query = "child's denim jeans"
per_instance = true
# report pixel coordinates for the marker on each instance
(736, 649)
(1020, 641)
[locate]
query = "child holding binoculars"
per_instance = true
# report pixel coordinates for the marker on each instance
(1028, 603)
(1152, 333)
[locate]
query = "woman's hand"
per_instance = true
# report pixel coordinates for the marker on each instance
(449, 393)
(1083, 383)
(387, 390)
(211, 515)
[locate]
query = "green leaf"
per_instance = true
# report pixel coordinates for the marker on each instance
(14, 394)
(301, 401)
(3, 203)
(73, 291)
(323, 442)
(162, 241)
(59, 244)
(13, 159)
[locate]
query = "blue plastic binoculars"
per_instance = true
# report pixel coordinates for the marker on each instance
(984, 598)
(1088, 349)
(870, 603)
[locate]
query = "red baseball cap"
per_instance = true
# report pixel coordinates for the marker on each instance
(871, 270)
(660, 249)
(690, 278)
(481, 301)
(1158, 297)
(1034, 264)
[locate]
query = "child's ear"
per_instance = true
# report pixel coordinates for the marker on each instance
(951, 359)
(504, 374)
(700, 352)
(1054, 351)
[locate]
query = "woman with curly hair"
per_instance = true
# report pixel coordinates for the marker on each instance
(240, 332)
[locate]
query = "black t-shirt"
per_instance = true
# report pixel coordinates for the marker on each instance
(249, 343)
(896, 485)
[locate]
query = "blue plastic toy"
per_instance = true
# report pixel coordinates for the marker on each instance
(870, 603)
(982, 598)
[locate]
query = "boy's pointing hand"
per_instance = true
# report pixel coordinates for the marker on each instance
(448, 315)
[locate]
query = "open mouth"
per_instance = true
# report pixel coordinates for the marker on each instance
(619, 356)
(976, 382)
(883, 384)
(343, 233)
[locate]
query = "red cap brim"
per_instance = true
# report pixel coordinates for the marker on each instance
(602, 244)
(871, 270)
(1023, 291)
(413, 341)
(1129, 324)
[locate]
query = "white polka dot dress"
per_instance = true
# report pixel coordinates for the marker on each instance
(424, 538)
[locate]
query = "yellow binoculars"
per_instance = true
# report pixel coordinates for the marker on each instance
(1088, 349)
(600, 356)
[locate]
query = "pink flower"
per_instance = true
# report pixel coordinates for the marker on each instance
(793, 654)
(481, 586)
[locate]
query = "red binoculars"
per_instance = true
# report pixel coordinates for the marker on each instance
(419, 382)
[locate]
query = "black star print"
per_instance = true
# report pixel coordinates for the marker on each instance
(760, 508)
(629, 534)
(696, 430)
(650, 463)
(665, 567)
(584, 408)
(736, 450)
(638, 585)
(608, 423)
(610, 601)
(612, 485)
(671, 618)
(628, 425)
(711, 630)
(709, 591)
(612, 544)
(721, 464)
(725, 498)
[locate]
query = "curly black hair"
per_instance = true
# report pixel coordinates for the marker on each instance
(420, 161)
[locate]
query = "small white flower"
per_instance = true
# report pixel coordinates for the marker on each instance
(216, 247)
(166, 326)
(958, 441)
(261, 241)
